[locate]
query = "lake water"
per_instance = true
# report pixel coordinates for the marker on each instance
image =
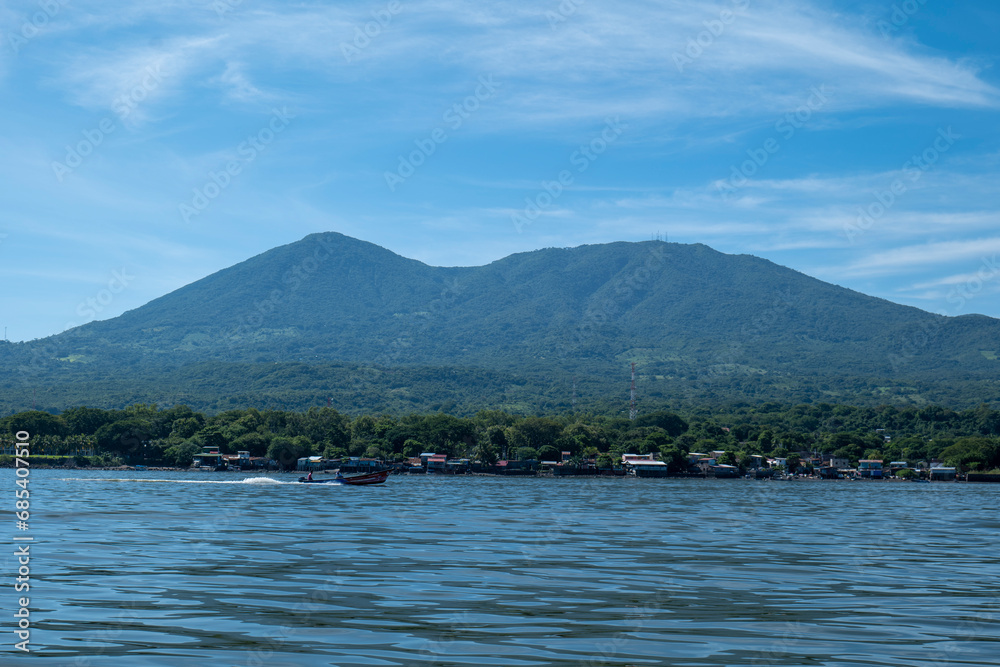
(155, 568)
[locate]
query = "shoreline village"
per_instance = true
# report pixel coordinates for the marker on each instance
(931, 444)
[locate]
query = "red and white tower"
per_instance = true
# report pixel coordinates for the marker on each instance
(632, 410)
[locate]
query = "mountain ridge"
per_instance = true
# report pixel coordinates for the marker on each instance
(698, 321)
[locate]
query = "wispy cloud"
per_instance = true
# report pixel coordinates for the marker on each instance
(919, 257)
(131, 78)
(603, 60)
(219, 75)
(237, 86)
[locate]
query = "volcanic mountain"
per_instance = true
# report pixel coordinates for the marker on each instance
(334, 316)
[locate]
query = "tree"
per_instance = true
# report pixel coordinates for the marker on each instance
(536, 432)
(686, 442)
(496, 439)
(212, 436)
(487, 418)
(549, 453)
(326, 425)
(668, 421)
(579, 436)
(185, 428)
(973, 453)
(412, 448)
(378, 451)
(654, 441)
(182, 454)
(255, 443)
(363, 431)
(36, 423)
(124, 437)
(728, 458)
(287, 451)
(86, 421)
(792, 461)
(334, 453)
(527, 454)
(485, 451)
(675, 458)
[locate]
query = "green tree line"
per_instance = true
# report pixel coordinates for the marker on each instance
(145, 433)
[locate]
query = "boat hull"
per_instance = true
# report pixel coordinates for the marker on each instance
(356, 480)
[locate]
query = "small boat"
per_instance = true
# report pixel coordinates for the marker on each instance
(356, 480)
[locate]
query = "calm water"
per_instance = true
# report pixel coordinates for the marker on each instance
(157, 568)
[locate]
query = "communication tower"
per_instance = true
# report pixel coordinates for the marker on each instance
(632, 410)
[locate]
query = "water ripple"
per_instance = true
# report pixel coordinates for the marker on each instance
(135, 569)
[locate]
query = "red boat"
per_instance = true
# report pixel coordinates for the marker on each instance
(357, 480)
(368, 478)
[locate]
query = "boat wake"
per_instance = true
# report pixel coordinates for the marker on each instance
(257, 481)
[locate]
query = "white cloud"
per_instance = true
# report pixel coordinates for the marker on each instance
(604, 59)
(920, 257)
(237, 86)
(128, 81)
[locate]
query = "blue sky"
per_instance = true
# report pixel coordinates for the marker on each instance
(147, 145)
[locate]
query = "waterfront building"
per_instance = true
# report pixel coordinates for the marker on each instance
(870, 468)
(643, 465)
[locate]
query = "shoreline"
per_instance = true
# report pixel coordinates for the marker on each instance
(960, 479)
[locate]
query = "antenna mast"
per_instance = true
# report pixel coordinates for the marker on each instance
(632, 411)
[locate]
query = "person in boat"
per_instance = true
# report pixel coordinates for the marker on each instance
(339, 475)
(309, 477)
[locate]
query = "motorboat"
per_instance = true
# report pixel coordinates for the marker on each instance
(355, 480)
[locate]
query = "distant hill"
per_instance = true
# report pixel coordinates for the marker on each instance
(303, 322)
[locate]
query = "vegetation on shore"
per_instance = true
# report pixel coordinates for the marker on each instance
(146, 434)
